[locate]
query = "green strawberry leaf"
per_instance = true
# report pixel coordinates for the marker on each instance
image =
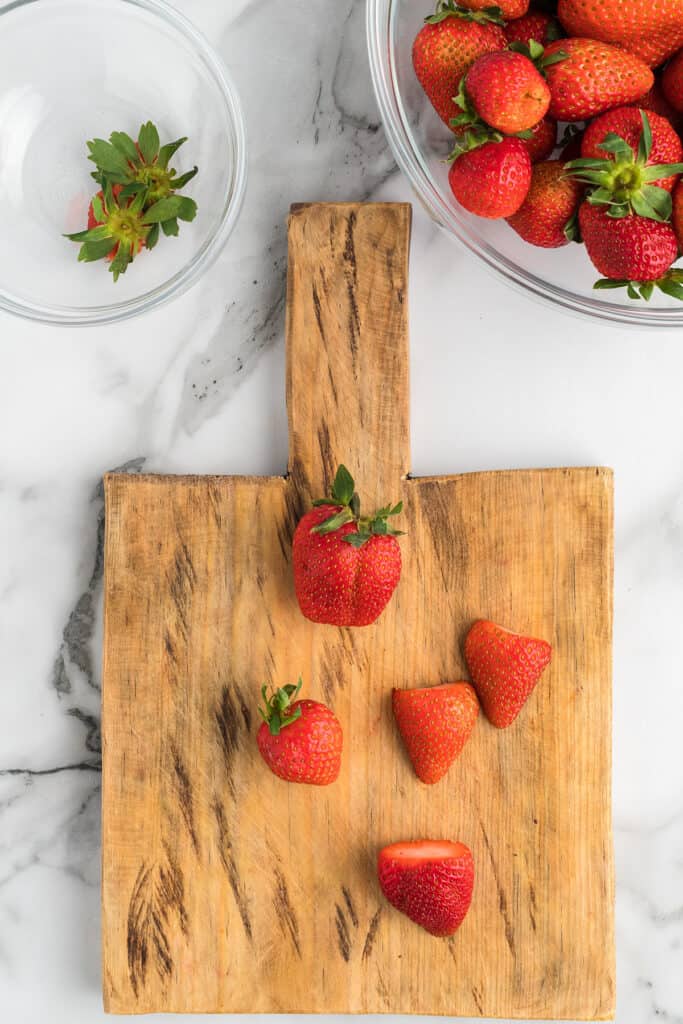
(148, 141)
(181, 182)
(107, 158)
(631, 291)
(163, 209)
(646, 289)
(167, 151)
(357, 540)
(447, 8)
(170, 227)
(334, 522)
(572, 231)
(188, 208)
(553, 58)
(343, 486)
(131, 190)
(535, 49)
(379, 526)
(125, 145)
(152, 236)
(657, 200)
(645, 143)
(608, 282)
(119, 264)
(97, 208)
(613, 143)
(670, 287)
(657, 171)
(95, 234)
(96, 250)
(355, 505)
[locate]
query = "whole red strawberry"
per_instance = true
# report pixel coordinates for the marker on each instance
(542, 140)
(650, 29)
(300, 740)
(430, 881)
(627, 249)
(346, 567)
(592, 78)
(505, 668)
(508, 8)
(446, 46)
(627, 122)
(507, 91)
(435, 723)
(677, 214)
(537, 25)
(545, 216)
(672, 81)
(493, 179)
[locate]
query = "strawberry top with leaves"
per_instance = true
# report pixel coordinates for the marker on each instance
(300, 740)
(137, 200)
(627, 181)
(346, 566)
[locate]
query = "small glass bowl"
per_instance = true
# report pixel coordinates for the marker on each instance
(420, 142)
(71, 70)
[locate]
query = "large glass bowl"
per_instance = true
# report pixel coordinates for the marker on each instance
(420, 141)
(71, 70)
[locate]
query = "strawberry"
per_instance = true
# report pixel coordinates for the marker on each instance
(507, 91)
(300, 740)
(650, 29)
(541, 141)
(505, 668)
(677, 214)
(624, 180)
(545, 218)
(435, 723)
(672, 82)
(631, 252)
(508, 8)
(447, 45)
(537, 25)
(493, 179)
(592, 78)
(345, 567)
(628, 124)
(430, 881)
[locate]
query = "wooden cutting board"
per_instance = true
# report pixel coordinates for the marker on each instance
(224, 888)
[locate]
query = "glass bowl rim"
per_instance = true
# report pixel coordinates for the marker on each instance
(379, 24)
(190, 272)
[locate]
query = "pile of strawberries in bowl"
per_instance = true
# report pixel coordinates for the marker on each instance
(484, 109)
(565, 124)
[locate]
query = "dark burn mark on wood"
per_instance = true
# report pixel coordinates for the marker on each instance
(448, 540)
(182, 581)
(157, 900)
(502, 898)
(477, 1000)
(169, 647)
(233, 721)
(215, 502)
(318, 310)
(185, 795)
(326, 457)
(532, 906)
(349, 906)
(351, 274)
(230, 866)
(343, 937)
(371, 934)
(285, 911)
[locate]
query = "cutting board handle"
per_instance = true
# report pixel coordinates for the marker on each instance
(347, 328)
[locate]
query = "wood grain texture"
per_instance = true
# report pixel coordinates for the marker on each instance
(227, 890)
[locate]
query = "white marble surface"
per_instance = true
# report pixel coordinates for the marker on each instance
(497, 381)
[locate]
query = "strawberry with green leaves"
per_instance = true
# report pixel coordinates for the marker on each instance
(631, 252)
(507, 91)
(346, 566)
(546, 217)
(491, 179)
(138, 198)
(300, 740)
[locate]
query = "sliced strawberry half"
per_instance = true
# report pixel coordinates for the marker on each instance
(430, 881)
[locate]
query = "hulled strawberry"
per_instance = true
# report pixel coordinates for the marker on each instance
(546, 216)
(650, 29)
(300, 740)
(672, 81)
(540, 26)
(430, 881)
(447, 45)
(507, 91)
(505, 668)
(435, 723)
(346, 566)
(492, 180)
(541, 140)
(626, 179)
(592, 77)
(628, 251)
(628, 123)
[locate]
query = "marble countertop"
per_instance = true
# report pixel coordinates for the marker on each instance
(198, 386)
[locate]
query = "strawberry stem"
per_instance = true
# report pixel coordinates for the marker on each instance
(275, 706)
(344, 494)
